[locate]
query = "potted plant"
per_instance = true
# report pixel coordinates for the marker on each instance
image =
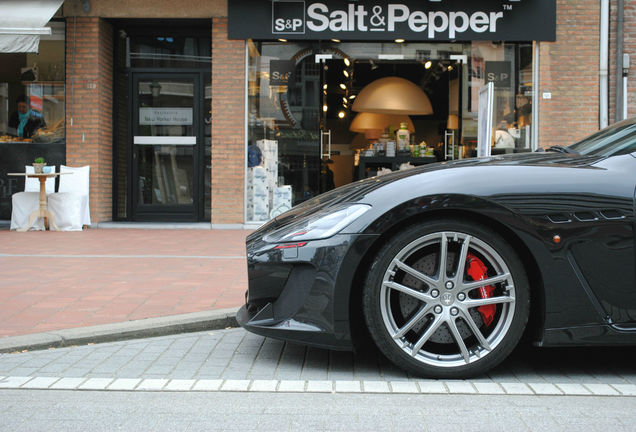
(38, 164)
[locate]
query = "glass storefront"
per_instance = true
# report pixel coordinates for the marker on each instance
(32, 111)
(300, 98)
(32, 101)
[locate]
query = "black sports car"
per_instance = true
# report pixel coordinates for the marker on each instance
(447, 265)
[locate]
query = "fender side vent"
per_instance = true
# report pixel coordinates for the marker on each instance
(612, 214)
(559, 218)
(586, 216)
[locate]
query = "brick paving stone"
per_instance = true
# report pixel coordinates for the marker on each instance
(601, 389)
(124, 384)
(459, 386)
(67, 383)
(95, 384)
(235, 385)
(404, 387)
(545, 389)
(152, 384)
(40, 382)
(573, 389)
(376, 387)
(180, 384)
(207, 385)
(488, 387)
(432, 386)
(626, 389)
(348, 386)
(291, 386)
(320, 386)
(263, 385)
(517, 388)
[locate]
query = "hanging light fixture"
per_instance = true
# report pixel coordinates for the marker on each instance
(365, 121)
(393, 95)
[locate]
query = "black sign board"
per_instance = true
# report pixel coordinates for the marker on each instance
(412, 20)
(498, 72)
(281, 72)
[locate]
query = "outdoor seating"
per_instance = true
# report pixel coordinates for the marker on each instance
(24, 203)
(70, 205)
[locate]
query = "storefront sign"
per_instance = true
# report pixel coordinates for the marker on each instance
(281, 72)
(498, 72)
(165, 116)
(511, 20)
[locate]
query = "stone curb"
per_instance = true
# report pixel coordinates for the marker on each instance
(149, 327)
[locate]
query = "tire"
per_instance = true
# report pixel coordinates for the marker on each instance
(436, 326)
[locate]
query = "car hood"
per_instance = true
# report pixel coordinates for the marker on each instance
(358, 190)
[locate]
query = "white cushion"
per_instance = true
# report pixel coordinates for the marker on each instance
(33, 184)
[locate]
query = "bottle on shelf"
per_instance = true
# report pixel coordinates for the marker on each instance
(403, 139)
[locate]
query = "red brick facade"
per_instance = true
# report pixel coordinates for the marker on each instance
(569, 70)
(89, 107)
(228, 126)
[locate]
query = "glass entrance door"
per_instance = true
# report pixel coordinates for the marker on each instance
(165, 146)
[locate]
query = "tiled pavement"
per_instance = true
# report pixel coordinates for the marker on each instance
(234, 360)
(57, 280)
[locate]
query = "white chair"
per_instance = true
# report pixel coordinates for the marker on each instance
(24, 203)
(70, 205)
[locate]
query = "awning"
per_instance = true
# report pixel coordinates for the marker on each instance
(23, 21)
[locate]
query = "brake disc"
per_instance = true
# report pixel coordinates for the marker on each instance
(409, 305)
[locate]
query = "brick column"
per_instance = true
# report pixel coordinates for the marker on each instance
(228, 126)
(89, 105)
(569, 69)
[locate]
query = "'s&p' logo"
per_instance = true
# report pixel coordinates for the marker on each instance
(288, 17)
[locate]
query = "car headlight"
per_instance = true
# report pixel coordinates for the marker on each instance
(320, 225)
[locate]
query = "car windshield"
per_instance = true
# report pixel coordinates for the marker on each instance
(617, 139)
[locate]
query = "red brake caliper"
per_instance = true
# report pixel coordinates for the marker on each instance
(477, 270)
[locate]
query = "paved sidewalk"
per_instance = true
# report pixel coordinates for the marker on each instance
(59, 280)
(234, 360)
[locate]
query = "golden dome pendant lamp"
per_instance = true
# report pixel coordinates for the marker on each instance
(393, 95)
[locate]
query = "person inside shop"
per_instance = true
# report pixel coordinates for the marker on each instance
(24, 122)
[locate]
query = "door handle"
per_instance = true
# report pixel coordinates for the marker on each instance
(322, 138)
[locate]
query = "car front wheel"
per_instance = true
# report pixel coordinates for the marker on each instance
(446, 299)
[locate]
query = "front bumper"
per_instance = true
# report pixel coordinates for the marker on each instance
(302, 294)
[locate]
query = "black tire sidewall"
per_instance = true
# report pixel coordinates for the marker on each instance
(373, 283)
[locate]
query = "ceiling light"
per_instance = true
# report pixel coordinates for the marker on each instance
(352, 97)
(282, 40)
(399, 41)
(450, 67)
(347, 62)
(393, 95)
(344, 99)
(345, 73)
(365, 121)
(324, 86)
(428, 64)
(342, 86)
(335, 40)
(325, 108)
(341, 114)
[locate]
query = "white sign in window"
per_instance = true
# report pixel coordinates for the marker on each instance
(165, 116)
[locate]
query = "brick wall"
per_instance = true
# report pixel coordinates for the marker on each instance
(569, 69)
(228, 126)
(89, 100)
(629, 47)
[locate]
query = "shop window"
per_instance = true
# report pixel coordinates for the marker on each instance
(32, 92)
